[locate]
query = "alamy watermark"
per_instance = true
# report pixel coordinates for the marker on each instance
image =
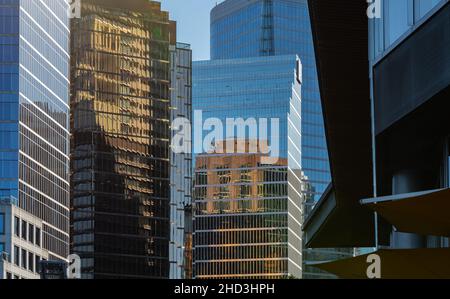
(213, 135)
(374, 269)
(374, 9)
(73, 270)
(74, 9)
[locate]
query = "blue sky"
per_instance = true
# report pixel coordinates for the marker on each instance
(192, 17)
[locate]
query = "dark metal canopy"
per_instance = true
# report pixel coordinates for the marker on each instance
(424, 213)
(340, 33)
(395, 264)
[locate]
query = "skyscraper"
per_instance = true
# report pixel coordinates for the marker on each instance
(120, 122)
(254, 45)
(34, 135)
(244, 213)
(255, 28)
(260, 88)
(181, 164)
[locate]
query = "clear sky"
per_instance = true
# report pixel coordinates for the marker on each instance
(192, 17)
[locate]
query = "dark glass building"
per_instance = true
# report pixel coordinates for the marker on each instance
(120, 99)
(394, 118)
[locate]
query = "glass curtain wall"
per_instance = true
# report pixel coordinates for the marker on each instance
(120, 139)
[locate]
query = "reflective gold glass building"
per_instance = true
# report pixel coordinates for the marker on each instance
(120, 138)
(242, 218)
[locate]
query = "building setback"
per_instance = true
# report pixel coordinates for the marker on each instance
(120, 125)
(34, 135)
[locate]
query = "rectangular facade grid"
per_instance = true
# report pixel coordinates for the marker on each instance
(34, 116)
(243, 218)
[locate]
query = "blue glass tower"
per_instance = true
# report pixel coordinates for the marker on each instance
(242, 80)
(251, 88)
(34, 133)
(241, 28)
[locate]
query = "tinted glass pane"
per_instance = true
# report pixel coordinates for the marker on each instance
(422, 7)
(38, 236)
(2, 224)
(24, 230)
(397, 21)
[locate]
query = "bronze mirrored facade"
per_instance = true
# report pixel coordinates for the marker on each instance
(120, 98)
(242, 224)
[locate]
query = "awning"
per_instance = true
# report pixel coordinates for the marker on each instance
(396, 264)
(423, 213)
(339, 225)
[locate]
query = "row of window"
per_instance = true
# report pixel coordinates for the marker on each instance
(26, 260)
(238, 268)
(397, 18)
(27, 231)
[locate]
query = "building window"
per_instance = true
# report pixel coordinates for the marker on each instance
(31, 233)
(17, 226)
(37, 260)
(24, 230)
(16, 256)
(398, 16)
(2, 224)
(2, 248)
(422, 7)
(38, 236)
(24, 259)
(8, 276)
(398, 19)
(31, 262)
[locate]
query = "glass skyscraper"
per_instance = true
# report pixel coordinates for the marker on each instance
(34, 134)
(243, 35)
(259, 88)
(243, 29)
(120, 122)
